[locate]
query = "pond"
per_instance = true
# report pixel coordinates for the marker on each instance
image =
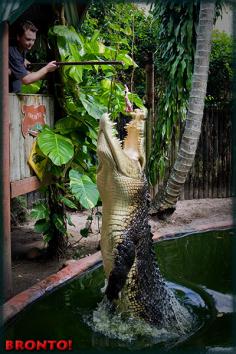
(198, 268)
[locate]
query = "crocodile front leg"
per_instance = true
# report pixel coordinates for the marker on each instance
(124, 259)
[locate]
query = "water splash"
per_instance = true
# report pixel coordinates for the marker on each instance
(119, 326)
(183, 318)
(128, 329)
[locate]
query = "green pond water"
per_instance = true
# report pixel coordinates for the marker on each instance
(197, 267)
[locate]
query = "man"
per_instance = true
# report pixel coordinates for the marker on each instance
(26, 36)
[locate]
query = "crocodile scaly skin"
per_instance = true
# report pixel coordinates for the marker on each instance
(135, 285)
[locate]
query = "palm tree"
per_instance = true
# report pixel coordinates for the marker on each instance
(165, 204)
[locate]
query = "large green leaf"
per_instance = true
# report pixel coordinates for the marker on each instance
(92, 46)
(83, 188)
(58, 148)
(127, 60)
(59, 223)
(74, 52)
(68, 202)
(42, 226)
(93, 108)
(67, 125)
(133, 97)
(69, 34)
(76, 73)
(32, 88)
(39, 211)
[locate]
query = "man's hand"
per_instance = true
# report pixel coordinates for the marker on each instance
(38, 75)
(26, 63)
(52, 66)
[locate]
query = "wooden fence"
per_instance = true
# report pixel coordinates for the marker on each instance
(210, 175)
(25, 112)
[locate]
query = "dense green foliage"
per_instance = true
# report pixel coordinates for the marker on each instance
(175, 38)
(174, 58)
(123, 32)
(127, 27)
(32, 88)
(219, 88)
(88, 92)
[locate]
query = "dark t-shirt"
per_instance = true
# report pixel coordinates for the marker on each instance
(18, 69)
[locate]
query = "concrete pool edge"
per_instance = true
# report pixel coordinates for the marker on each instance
(221, 225)
(72, 269)
(75, 268)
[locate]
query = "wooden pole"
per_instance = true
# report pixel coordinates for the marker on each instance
(5, 164)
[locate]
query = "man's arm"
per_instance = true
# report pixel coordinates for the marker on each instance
(38, 75)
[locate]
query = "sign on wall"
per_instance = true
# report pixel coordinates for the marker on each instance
(34, 118)
(27, 112)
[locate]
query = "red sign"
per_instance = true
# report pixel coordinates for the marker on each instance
(33, 119)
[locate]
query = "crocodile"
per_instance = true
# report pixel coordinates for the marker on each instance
(135, 286)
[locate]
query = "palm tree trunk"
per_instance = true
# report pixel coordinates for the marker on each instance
(165, 204)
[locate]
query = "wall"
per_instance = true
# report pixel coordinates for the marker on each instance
(20, 146)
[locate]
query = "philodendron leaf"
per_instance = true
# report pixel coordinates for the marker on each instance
(59, 223)
(41, 226)
(32, 88)
(68, 203)
(84, 232)
(39, 211)
(83, 188)
(70, 35)
(93, 108)
(58, 148)
(67, 125)
(127, 60)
